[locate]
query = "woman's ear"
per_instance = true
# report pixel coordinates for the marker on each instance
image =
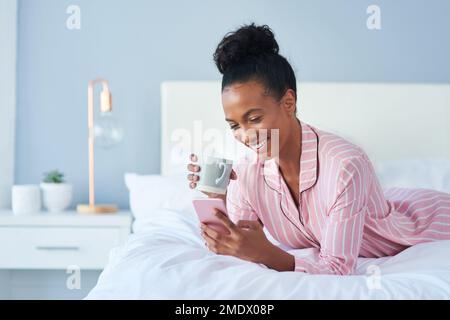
(289, 102)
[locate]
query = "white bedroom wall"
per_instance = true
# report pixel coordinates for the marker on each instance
(8, 27)
(8, 30)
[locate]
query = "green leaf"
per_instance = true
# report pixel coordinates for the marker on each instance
(54, 176)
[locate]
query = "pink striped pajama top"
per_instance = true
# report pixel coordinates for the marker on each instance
(343, 212)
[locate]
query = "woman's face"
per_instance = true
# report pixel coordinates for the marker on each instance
(257, 119)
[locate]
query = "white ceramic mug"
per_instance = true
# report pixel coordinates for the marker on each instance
(214, 175)
(26, 199)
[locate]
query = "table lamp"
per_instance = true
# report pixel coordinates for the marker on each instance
(107, 132)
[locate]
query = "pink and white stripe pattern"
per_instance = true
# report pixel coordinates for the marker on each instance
(343, 212)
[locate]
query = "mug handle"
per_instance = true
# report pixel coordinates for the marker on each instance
(221, 165)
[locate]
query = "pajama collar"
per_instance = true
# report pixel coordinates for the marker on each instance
(308, 162)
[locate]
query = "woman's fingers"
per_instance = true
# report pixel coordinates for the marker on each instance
(211, 233)
(225, 220)
(193, 167)
(192, 177)
(193, 157)
(209, 239)
(214, 245)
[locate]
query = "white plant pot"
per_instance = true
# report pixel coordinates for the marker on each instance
(56, 196)
(26, 199)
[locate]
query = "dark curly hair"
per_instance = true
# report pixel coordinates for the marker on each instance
(251, 53)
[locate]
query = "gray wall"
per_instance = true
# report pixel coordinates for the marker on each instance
(138, 44)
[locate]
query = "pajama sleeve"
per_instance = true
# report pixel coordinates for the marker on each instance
(343, 229)
(238, 207)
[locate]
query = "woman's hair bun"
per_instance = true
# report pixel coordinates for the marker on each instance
(247, 41)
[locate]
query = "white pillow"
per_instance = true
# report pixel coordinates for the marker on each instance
(415, 173)
(149, 193)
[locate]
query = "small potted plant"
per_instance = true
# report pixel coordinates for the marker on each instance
(56, 193)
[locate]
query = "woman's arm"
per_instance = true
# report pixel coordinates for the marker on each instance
(246, 240)
(278, 259)
(343, 229)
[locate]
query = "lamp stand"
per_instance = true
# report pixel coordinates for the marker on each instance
(105, 106)
(100, 208)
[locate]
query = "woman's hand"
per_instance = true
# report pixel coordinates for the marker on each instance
(193, 178)
(246, 239)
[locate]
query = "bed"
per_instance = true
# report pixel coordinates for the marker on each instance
(405, 130)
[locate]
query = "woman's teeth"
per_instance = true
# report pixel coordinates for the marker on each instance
(260, 145)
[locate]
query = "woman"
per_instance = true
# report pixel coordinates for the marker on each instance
(319, 190)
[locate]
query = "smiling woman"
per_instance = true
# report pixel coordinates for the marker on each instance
(258, 89)
(317, 190)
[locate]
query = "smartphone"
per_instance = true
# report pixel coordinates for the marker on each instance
(205, 207)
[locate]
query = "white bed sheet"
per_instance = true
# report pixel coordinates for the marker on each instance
(166, 259)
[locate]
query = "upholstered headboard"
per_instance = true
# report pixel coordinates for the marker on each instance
(389, 121)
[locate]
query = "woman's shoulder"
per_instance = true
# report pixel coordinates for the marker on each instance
(342, 160)
(334, 147)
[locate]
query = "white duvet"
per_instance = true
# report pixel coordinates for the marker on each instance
(166, 259)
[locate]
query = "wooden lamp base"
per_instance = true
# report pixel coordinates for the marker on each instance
(102, 208)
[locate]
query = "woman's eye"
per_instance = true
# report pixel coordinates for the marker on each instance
(234, 127)
(257, 119)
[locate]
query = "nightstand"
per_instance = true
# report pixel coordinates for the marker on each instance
(57, 241)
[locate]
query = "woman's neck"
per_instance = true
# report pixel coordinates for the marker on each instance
(289, 159)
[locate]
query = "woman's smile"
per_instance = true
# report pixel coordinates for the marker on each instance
(260, 147)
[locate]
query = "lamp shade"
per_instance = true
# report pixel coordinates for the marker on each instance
(107, 130)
